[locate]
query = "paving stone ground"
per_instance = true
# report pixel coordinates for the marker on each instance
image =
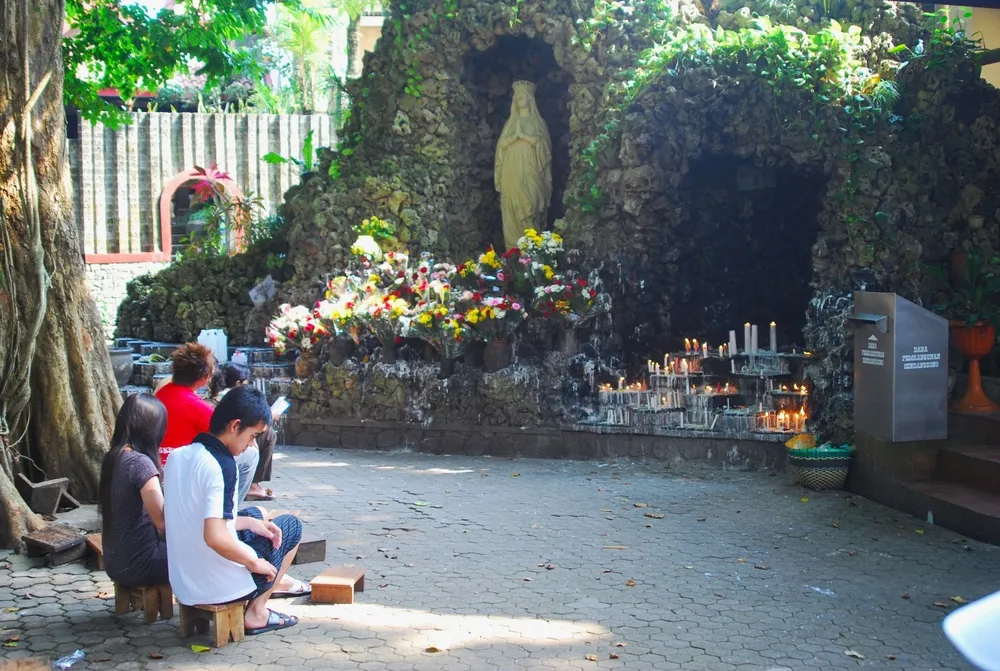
(513, 564)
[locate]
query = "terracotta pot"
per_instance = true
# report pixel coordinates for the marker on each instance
(122, 364)
(339, 350)
(497, 355)
(473, 356)
(306, 363)
(447, 368)
(974, 342)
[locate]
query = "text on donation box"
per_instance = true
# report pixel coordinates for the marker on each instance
(872, 355)
(921, 359)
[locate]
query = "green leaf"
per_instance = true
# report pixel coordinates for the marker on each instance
(273, 158)
(307, 152)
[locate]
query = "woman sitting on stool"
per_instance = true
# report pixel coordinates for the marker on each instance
(130, 498)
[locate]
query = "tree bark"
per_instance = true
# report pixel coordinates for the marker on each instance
(354, 55)
(58, 398)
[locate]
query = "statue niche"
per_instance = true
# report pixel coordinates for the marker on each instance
(522, 171)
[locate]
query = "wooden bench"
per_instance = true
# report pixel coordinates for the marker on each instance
(226, 620)
(96, 545)
(154, 601)
(338, 584)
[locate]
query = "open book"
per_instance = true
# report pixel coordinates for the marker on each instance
(280, 406)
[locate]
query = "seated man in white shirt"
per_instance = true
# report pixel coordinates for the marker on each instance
(215, 555)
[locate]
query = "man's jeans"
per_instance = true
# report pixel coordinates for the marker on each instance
(246, 466)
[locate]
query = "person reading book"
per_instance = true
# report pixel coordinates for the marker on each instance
(217, 555)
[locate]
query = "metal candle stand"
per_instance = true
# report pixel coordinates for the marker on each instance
(682, 395)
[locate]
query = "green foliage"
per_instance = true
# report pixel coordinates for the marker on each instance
(305, 164)
(948, 44)
(117, 45)
(974, 297)
(379, 229)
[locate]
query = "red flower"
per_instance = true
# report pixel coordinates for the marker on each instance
(593, 293)
(310, 327)
(581, 281)
(399, 339)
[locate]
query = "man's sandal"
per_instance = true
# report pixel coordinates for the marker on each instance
(275, 621)
(298, 589)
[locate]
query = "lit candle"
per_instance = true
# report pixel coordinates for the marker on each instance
(621, 381)
(684, 366)
(746, 337)
(666, 361)
(732, 366)
(695, 346)
(704, 350)
(722, 349)
(774, 337)
(753, 339)
(687, 345)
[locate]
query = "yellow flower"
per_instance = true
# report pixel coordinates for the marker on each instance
(557, 238)
(472, 316)
(548, 272)
(424, 319)
(374, 279)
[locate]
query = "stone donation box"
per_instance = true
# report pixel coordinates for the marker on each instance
(900, 369)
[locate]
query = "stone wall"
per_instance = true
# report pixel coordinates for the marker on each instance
(533, 442)
(107, 282)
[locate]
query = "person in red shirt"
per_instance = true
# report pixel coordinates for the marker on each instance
(187, 413)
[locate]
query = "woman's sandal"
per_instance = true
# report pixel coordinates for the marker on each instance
(300, 589)
(275, 621)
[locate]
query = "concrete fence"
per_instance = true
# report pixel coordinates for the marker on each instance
(124, 180)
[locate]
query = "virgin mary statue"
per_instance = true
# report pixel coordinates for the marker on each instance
(522, 171)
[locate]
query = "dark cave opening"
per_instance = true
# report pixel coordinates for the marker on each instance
(745, 249)
(488, 77)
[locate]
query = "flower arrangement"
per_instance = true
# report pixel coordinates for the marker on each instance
(295, 327)
(436, 318)
(570, 298)
(495, 318)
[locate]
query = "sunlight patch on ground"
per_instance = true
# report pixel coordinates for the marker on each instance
(419, 629)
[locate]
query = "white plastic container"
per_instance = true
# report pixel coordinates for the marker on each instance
(973, 631)
(215, 340)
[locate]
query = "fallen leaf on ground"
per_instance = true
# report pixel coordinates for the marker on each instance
(630, 582)
(608, 570)
(383, 585)
(103, 595)
(919, 531)
(762, 567)
(10, 644)
(804, 499)
(641, 505)
(533, 526)
(200, 648)
(701, 519)
(648, 526)
(550, 567)
(958, 599)
(612, 655)
(742, 560)
(606, 510)
(836, 525)
(621, 645)
(852, 553)
(941, 604)
(409, 565)
(854, 653)
(591, 658)
(432, 649)
(515, 475)
(12, 609)
(156, 655)
(655, 516)
(527, 580)
(484, 474)
(421, 503)
(616, 547)
(904, 595)
(890, 657)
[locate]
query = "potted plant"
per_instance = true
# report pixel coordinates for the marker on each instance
(971, 306)
(438, 323)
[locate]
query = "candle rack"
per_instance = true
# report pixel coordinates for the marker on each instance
(710, 392)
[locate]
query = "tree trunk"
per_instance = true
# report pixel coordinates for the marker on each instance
(354, 55)
(58, 397)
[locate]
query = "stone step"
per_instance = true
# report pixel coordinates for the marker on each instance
(143, 373)
(130, 389)
(255, 355)
(957, 506)
(977, 466)
(974, 429)
(136, 345)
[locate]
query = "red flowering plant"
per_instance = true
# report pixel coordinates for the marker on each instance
(496, 317)
(295, 328)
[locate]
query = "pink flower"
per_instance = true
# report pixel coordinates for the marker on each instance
(500, 276)
(516, 306)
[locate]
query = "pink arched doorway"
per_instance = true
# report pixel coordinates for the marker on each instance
(170, 189)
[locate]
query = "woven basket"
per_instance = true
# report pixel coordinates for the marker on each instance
(821, 467)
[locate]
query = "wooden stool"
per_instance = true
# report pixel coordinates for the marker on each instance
(338, 584)
(97, 546)
(62, 544)
(153, 601)
(226, 620)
